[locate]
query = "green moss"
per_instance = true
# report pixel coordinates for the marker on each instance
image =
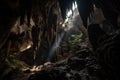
(75, 39)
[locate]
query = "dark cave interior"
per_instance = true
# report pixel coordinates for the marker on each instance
(59, 40)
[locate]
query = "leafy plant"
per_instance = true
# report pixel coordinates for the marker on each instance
(75, 39)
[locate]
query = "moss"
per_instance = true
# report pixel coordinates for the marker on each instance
(75, 39)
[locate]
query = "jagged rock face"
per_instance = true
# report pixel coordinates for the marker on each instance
(12, 9)
(20, 13)
(106, 49)
(8, 15)
(96, 35)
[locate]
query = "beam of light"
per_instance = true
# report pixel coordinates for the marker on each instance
(55, 46)
(57, 41)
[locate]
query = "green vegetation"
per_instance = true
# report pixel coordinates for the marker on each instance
(75, 39)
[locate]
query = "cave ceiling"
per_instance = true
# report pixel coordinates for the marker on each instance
(37, 12)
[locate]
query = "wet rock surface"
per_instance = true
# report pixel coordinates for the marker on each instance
(81, 66)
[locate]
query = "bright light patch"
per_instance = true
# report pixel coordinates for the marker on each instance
(69, 13)
(63, 25)
(23, 48)
(66, 20)
(74, 6)
(36, 68)
(29, 46)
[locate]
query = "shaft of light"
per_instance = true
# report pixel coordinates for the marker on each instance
(55, 46)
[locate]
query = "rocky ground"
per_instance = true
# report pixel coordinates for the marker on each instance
(77, 62)
(82, 65)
